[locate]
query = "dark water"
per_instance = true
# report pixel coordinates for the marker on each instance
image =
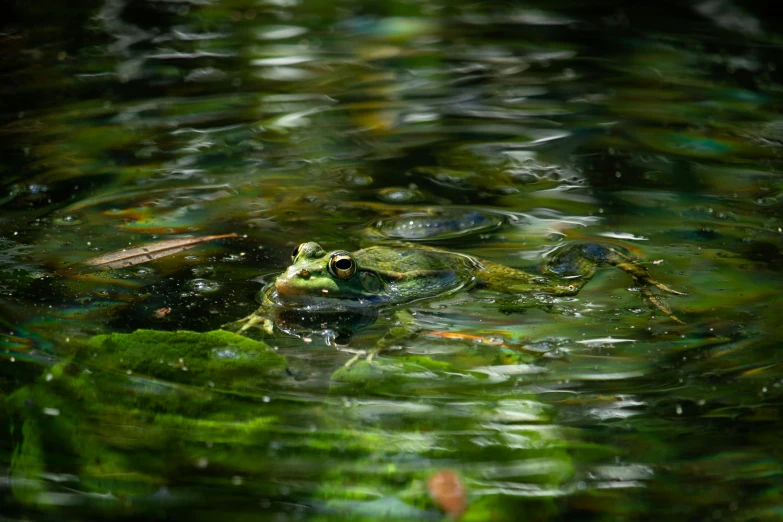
(495, 129)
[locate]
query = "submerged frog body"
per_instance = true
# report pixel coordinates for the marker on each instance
(338, 281)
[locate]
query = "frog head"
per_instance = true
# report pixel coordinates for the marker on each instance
(317, 274)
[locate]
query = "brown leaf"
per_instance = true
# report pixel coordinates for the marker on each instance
(160, 313)
(447, 491)
(145, 253)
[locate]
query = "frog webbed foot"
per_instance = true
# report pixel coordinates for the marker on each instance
(405, 327)
(654, 293)
(580, 260)
(253, 320)
(369, 356)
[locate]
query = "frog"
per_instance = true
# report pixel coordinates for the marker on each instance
(395, 275)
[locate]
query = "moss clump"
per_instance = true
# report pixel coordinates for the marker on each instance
(111, 411)
(217, 358)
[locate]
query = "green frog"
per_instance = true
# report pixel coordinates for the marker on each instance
(337, 282)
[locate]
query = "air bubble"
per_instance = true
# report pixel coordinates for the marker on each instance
(204, 286)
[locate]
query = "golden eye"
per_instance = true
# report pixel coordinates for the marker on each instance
(342, 265)
(295, 252)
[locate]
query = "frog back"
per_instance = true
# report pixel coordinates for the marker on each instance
(410, 274)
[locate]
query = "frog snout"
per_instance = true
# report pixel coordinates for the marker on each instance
(289, 283)
(292, 274)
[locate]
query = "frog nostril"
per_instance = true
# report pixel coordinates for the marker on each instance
(304, 273)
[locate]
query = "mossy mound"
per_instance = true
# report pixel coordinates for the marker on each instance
(216, 358)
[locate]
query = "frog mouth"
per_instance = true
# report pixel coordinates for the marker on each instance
(292, 292)
(286, 289)
(292, 296)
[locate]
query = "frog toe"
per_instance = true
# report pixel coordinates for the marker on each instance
(357, 355)
(666, 288)
(246, 323)
(372, 354)
(658, 302)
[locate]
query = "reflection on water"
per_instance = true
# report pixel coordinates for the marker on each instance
(495, 130)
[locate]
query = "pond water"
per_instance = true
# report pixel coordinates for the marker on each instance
(499, 130)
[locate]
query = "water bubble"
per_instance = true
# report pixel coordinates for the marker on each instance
(204, 286)
(400, 195)
(358, 180)
(144, 271)
(203, 271)
(68, 220)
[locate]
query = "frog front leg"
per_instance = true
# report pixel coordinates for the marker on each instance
(405, 327)
(258, 318)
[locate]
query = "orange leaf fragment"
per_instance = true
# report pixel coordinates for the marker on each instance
(458, 336)
(447, 491)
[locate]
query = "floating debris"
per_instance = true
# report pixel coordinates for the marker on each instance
(149, 252)
(448, 492)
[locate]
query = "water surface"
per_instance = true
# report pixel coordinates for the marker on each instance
(499, 130)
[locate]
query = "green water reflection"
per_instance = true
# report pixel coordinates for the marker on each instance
(498, 130)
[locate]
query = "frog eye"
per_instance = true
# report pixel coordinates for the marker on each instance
(342, 265)
(295, 252)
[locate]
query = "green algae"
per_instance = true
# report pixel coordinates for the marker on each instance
(106, 413)
(216, 358)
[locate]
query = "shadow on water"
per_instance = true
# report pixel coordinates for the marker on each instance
(496, 130)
